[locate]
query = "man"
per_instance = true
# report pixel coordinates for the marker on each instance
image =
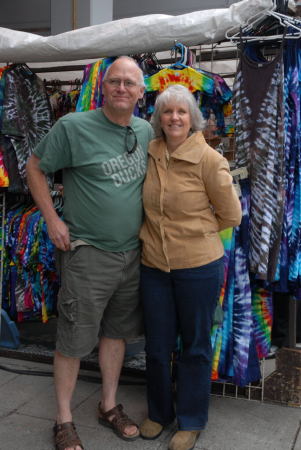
(103, 155)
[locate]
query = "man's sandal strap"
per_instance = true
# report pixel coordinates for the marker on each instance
(118, 420)
(65, 435)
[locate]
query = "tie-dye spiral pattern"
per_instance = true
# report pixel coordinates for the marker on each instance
(247, 314)
(193, 80)
(262, 310)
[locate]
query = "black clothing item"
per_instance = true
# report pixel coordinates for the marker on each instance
(280, 328)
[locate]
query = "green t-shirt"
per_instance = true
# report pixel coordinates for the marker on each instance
(102, 182)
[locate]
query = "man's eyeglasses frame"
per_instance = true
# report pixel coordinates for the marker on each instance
(116, 83)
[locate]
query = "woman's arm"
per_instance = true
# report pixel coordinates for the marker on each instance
(221, 192)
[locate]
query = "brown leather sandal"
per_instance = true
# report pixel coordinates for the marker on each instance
(116, 419)
(65, 435)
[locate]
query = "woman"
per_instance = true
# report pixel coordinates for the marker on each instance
(188, 198)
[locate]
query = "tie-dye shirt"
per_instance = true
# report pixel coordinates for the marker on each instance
(91, 92)
(193, 80)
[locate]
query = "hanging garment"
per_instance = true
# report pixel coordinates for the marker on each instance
(242, 300)
(26, 114)
(193, 80)
(91, 92)
(11, 164)
(63, 102)
(259, 112)
(262, 310)
(210, 91)
(30, 280)
(289, 267)
(243, 337)
(2, 86)
(237, 327)
(219, 103)
(217, 332)
(4, 180)
(149, 66)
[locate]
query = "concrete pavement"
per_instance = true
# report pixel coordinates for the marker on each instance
(27, 409)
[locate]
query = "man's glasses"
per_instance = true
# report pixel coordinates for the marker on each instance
(116, 82)
(131, 141)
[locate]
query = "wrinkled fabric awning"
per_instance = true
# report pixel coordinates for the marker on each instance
(154, 32)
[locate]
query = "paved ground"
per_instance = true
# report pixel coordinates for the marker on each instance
(27, 409)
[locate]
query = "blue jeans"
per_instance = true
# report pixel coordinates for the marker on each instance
(180, 303)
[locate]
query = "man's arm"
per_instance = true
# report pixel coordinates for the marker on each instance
(57, 229)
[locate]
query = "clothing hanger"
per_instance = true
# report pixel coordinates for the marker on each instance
(233, 33)
(149, 63)
(255, 25)
(182, 62)
(287, 23)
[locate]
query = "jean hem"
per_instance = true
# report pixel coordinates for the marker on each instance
(164, 424)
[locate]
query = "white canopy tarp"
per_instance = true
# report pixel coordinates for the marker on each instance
(154, 32)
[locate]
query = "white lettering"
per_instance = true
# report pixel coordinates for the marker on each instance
(125, 168)
(117, 180)
(131, 160)
(125, 176)
(140, 169)
(132, 173)
(107, 168)
(122, 161)
(115, 165)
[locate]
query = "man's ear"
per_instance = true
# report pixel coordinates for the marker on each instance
(142, 89)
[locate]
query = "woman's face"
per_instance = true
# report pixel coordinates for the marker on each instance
(175, 121)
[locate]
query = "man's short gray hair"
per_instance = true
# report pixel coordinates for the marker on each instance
(177, 94)
(141, 81)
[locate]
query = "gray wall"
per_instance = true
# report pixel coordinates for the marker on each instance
(56, 16)
(61, 16)
(131, 8)
(27, 15)
(101, 11)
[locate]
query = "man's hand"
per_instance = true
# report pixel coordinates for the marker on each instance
(57, 230)
(59, 233)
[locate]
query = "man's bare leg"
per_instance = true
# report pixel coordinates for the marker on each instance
(111, 356)
(65, 376)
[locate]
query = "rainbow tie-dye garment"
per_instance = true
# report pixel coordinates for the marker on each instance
(4, 179)
(193, 80)
(91, 92)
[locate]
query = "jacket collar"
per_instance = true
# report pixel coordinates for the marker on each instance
(191, 150)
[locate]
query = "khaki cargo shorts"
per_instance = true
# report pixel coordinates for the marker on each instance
(99, 296)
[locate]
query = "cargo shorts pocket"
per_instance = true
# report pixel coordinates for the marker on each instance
(64, 259)
(68, 308)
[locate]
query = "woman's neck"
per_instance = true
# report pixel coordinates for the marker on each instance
(173, 144)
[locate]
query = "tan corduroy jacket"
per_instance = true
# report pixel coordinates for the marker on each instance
(187, 203)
